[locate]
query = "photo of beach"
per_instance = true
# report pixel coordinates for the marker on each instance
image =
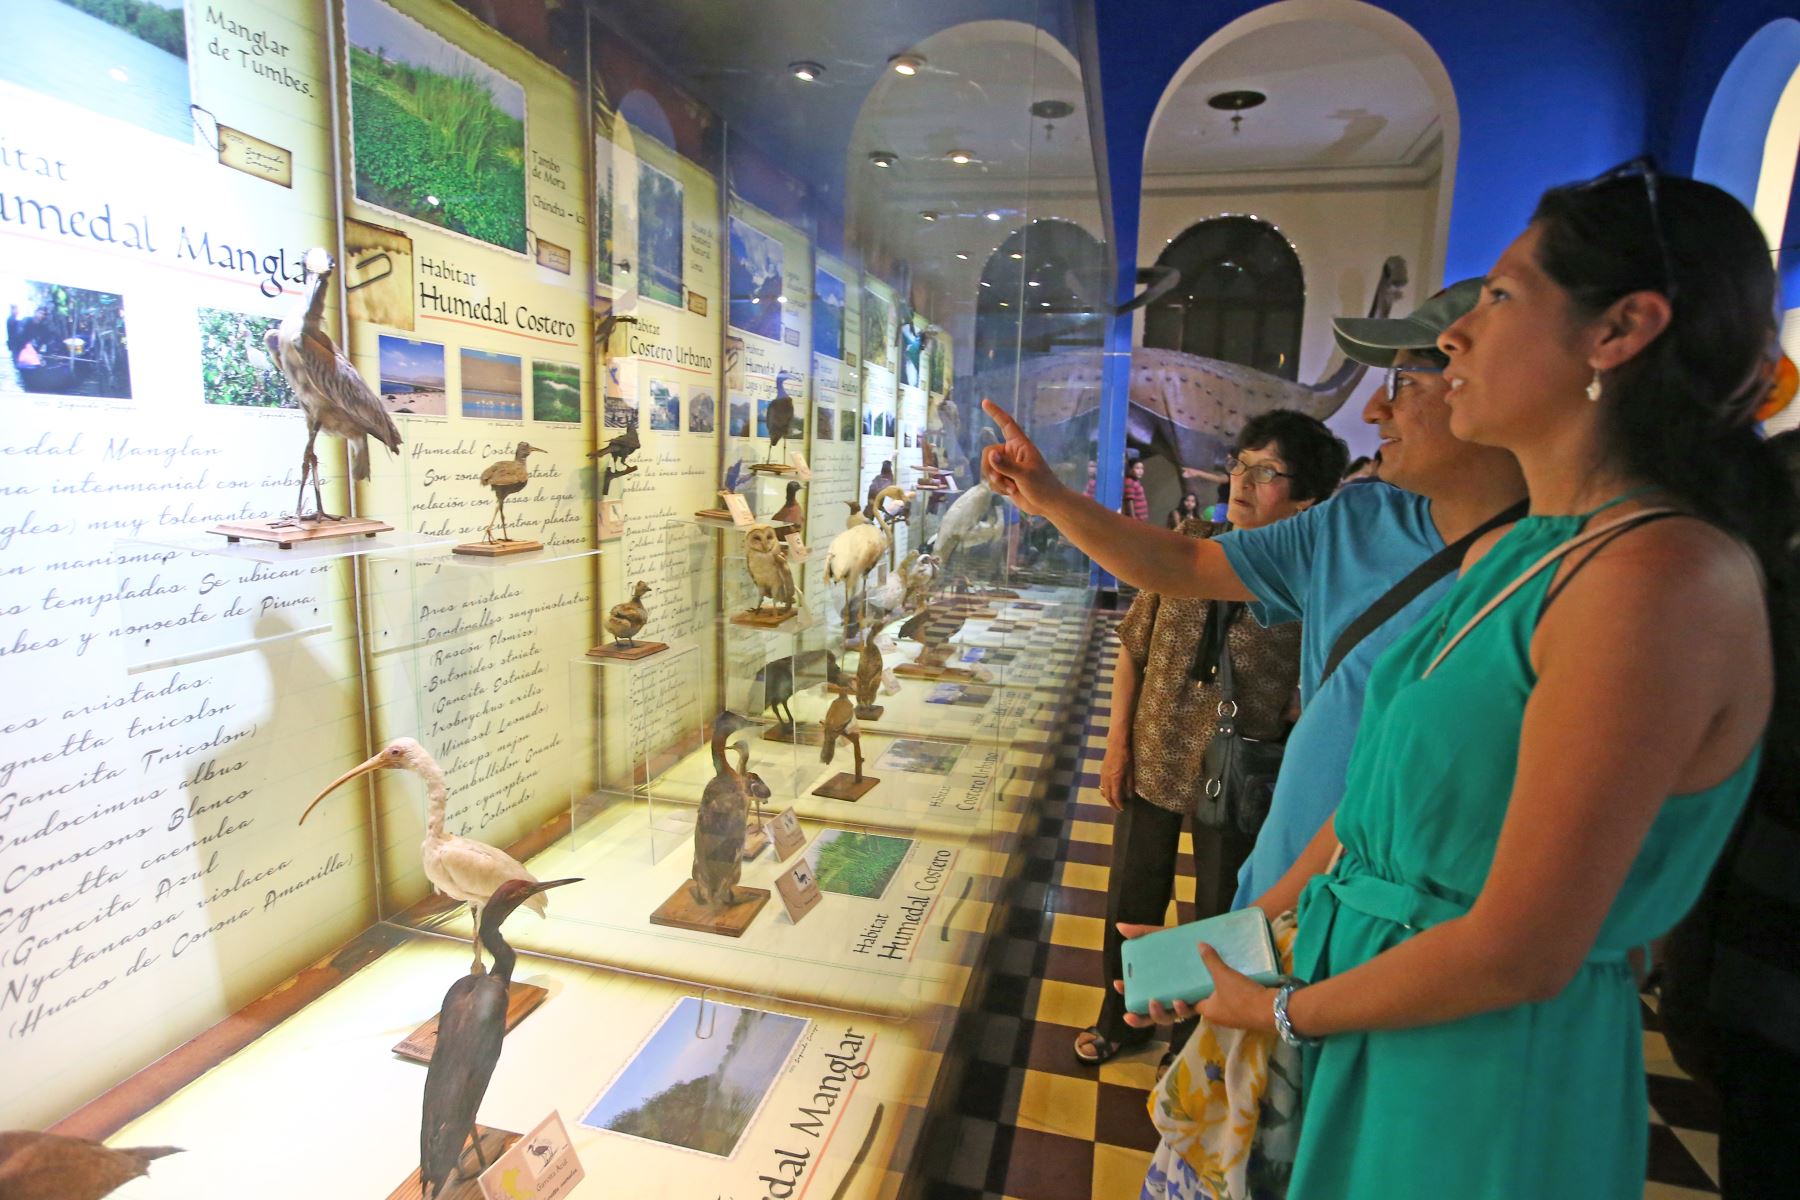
(125, 59)
(493, 386)
(412, 376)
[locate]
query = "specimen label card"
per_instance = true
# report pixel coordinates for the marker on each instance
(541, 1166)
(785, 829)
(739, 508)
(799, 890)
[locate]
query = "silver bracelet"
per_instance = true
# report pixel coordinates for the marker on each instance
(1283, 1026)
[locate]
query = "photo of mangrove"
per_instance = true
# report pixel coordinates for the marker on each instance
(125, 59)
(235, 365)
(877, 331)
(703, 410)
(64, 341)
(660, 236)
(699, 1080)
(665, 407)
(493, 386)
(756, 280)
(555, 392)
(828, 314)
(412, 376)
(436, 134)
(847, 425)
(856, 864)
(924, 758)
(826, 423)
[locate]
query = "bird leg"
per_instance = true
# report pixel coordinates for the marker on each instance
(501, 505)
(318, 501)
(307, 462)
(500, 511)
(476, 968)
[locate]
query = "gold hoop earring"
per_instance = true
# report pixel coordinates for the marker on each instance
(1594, 389)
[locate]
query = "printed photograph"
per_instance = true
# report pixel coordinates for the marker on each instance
(699, 1093)
(962, 695)
(856, 864)
(847, 425)
(868, 423)
(660, 236)
(235, 365)
(877, 331)
(64, 341)
(665, 407)
(922, 758)
(604, 251)
(756, 280)
(125, 59)
(702, 410)
(825, 422)
(912, 344)
(828, 314)
(620, 413)
(734, 363)
(492, 386)
(555, 392)
(796, 423)
(412, 376)
(437, 135)
(939, 358)
(738, 419)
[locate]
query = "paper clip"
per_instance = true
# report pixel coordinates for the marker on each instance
(711, 1027)
(380, 256)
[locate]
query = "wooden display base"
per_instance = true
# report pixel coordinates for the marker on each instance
(286, 532)
(682, 911)
(845, 786)
(754, 841)
(521, 1000)
(913, 670)
(713, 514)
(869, 712)
(764, 618)
(629, 653)
(773, 468)
(462, 1185)
(806, 735)
(497, 549)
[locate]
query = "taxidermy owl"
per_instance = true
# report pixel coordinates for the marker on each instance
(767, 560)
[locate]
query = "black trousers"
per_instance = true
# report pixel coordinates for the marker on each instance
(1146, 841)
(1760, 1085)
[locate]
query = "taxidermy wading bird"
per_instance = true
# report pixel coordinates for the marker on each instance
(507, 476)
(619, 449)
(969, 522)
(459, 867)
(49, 1166)
(331, 393)
(853, 554)
(781, 412)
(471, 1028)
(724, 820)
(767, 561)
(629, 616)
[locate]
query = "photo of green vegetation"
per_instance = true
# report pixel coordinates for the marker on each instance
(856, 864)
(437, 134)
(702, 1093)
(555, 392)
(235, 367)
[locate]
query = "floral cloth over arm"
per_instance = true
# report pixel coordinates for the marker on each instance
(1228, 1111)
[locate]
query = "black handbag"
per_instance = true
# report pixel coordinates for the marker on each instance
(1239, 772)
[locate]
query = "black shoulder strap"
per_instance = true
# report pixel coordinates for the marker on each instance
(1408, 589)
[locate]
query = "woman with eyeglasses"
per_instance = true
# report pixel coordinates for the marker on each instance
(1550, 763)
(1165, 707)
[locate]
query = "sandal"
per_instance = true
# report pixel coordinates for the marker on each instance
(1101, 1048)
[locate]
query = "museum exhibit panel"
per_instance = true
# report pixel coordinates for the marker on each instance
(456, 443)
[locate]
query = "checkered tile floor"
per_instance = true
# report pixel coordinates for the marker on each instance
(1033, 1124)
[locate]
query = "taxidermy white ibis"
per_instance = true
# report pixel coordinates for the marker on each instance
(459, 867)
(781, 412)
(507, 476)
(853, 554)
(331, 393)
(49, 1166)
(619, 449)
(629, 616)
(961, 527)
(471, 1028)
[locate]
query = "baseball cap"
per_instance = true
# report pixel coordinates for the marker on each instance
(1374, 340)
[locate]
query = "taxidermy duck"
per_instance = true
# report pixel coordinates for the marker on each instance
(790, 512)
(459, 867)
(49, 1166)
(853, 554)
(767, 561)
(629, 616)
(506, 477)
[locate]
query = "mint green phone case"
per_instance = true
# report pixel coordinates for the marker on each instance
(1166, 966)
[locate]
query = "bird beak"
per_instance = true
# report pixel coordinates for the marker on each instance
(374, 764)
(544, 887)
(536, 450)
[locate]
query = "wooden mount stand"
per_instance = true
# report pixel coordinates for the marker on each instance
(804, 735)
(764, 618)
(682, 911)
(913, 670)
(870, 712)
(714, 514)
(462, 1185)
(286, 532)
(845, 786)
(773, 468)
(497, 549)
(631, 653)
(521, 1000)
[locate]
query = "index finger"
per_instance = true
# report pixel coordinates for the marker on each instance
(1002, 418)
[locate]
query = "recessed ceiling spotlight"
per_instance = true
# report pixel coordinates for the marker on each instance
(907, 64)
(928, 215)
(805, 70)
(1043, 304)
(960, 157)
(993, 214)
(1004, 304)
(1015, 255)
(1032, 283)
(963, 255)
(883, 158)
(985, 283)
(1236, 101)
(119, 75)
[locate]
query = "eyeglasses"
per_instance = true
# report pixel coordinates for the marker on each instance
(1394, 374)
(1643, 168)
(1261, 474)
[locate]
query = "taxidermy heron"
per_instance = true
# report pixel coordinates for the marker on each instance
(331, 393)
(459, 867)
(853, 554)
(49, 1166)
(507, 476)
(471, 1028)
(781, 412)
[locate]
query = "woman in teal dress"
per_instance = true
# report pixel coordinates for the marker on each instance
(1526, 808)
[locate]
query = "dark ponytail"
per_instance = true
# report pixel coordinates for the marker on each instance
(1681, 414)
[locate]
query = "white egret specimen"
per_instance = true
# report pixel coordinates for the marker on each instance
(459, 867)
(853, 554)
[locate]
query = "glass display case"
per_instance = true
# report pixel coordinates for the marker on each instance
(656, 341)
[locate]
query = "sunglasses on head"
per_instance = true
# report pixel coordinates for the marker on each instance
(1644, 168)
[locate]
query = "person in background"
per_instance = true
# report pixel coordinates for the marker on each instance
(1165, 706)
(1135, 505)
(1324, 568)
(1188, 510)
(1361, 468)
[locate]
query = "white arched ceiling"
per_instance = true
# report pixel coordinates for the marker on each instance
(1781, 149)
